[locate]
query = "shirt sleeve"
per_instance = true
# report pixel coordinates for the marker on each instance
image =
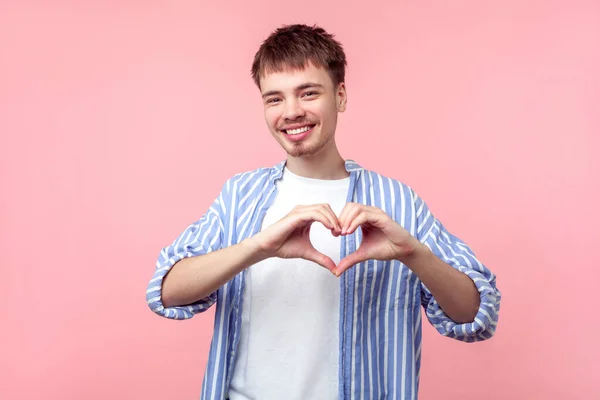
(458, 255)
(201, 237)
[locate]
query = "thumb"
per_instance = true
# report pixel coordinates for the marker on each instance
(347, 262)
(311, 254)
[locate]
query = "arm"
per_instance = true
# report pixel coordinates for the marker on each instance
(196, 278)
(459, 294)
(449, 273)
(199, 239)
(454, 291)
(197, 264)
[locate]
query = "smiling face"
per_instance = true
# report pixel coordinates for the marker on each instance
(301, 109)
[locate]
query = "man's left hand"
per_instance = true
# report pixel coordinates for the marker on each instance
(382, 238)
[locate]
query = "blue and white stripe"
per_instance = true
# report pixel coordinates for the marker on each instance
(380, 302)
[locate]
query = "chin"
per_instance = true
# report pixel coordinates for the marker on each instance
(304, 149)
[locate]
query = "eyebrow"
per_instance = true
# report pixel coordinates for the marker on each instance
(298, 88)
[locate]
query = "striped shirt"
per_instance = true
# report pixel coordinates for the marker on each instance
(380, 301)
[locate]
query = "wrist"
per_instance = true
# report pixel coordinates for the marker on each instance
(254, 251)
(415, 252)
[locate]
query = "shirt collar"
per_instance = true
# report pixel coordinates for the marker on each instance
(277, 170)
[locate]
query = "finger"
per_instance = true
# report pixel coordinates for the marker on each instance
(325, 209)
(362, 218)
(349, 261)
(313, 255)
(331, 218)
(334, 219)
(301, 208)
(347, 207)
(328, 213)
(371, 215)
(313, 216)
(350, 216)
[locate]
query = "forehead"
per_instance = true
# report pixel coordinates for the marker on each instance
(289, 79)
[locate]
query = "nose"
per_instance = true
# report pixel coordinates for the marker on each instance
(293, 110)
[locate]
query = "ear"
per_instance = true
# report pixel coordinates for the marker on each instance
(341, 97)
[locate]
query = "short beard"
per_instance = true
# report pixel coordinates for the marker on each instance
(302, 149)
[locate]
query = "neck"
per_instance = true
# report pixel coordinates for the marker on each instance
(325, 164)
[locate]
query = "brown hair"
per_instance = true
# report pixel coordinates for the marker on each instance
(291, 47)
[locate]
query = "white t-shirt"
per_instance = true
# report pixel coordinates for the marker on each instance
(290, 318)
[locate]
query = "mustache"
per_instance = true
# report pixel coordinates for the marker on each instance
(296, 123)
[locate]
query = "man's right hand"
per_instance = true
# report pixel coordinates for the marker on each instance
(290, 236)
(195, 278)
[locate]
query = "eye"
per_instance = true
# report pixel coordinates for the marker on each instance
(308, 94)
(272, 100)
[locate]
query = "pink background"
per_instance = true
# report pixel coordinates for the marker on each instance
(121, 120)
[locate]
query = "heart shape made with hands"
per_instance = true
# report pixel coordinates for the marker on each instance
(382, 237)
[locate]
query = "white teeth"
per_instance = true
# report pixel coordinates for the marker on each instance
(297, 131)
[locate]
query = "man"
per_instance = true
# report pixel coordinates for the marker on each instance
(318, 267)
